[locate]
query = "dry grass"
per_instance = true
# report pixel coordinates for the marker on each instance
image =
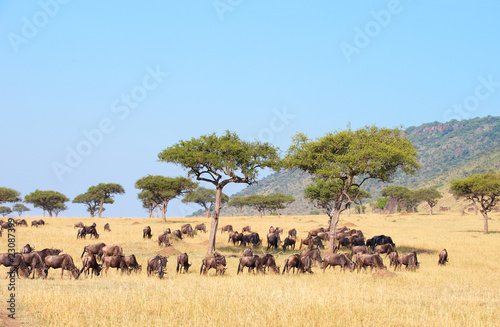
(466, 292)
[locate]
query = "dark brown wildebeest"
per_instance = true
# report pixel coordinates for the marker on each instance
(343, 242)
(278, 230)
(6, 225)
(212, 262)
(177, 233)
(15, 262)
(359, 249)
(34, 261)
(292, 233)
(272, 241)
(21, 222)
(41, 222)
(109, 251)
(338, 259)
(379, 240)
(183, 263)
(314, 254)
(167, 231)
(246, 229)
(384, 248)
(89, 261)
(115, 261)
(91, 230)
(369, 260)
(443, 257)
(316, 231)
(163, 239)
(292, 262)
(93, 249)
(157, 265)
(64, 262)
(187, 230)
(248, 253)
(231, 235)
(46, 252)
(311, 241)
(106, 227)
(78, 225)
(251, 263)
(268, 261)
(227, 228)
(34, 223)
(236, 237)
(357, 241)
(132, 263)
(201, 228)
(409, 260)
(26, 249)
(252, 238)
(272, 230)
(392, 258)
(146, 232)
(289, 242)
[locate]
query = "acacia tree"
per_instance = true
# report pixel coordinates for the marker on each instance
(105, 191)
(205, 198)
(9, 195)
(278, 201)
(163, 189)
(256, 201)
(221, 160)
(58, 208)
(349, 158)
(47, 200)
(362, 196)
(238, 202)
(148, 202)
(482, 189)
(401, 194)
(429, 195)
(20, 208)
(92, 201)
(5, 211)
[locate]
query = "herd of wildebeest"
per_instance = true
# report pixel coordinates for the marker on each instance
(100, 257)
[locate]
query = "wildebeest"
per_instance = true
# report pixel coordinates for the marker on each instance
(34, 223)
(252, 238)
(183, 263)
(177, 233)
(248, 253)
(34, 261)
(106, 227)
(93, 249)
(26, 249)
(357, 241)
(344, 242)
(212, 262)
(91, 230)
(132, 263)
(109, 251)
(246, 229)
(64, 262)
(163, 239)
(201, 228)
(89, 261)
(314, 254)
(311, 241)
(157, 265)
(235, 237)
(146, 232)
(115, 261)
(187, 229)
(289, 242)
(338, 259)
(443, 257)
(272, 241)
(314, 232)
(46, 252)
(227, 228)
(167, 231)
(392, 258)
(409, 260)
(268, 261)
(292, 262)
(78, 225)
(6, 225)
(21, 222)
(369, 260)
(292, 233)
(41, 222)
(251, 263)
(16, 262)
(359, 249)
(379, 240)
(324, 236)
(272, 230)
(384, 248)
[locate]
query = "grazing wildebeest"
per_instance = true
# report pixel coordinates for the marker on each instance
(289, 242)
(163, 239)
(246, 229)
(34, 223)
(93, 249)
(146, 232)
(41, 222)
(177, 233)
(115, 261)
(324, 236)
(344, 242)
(188, 230)
(409, 260)
(357, 241)
(167, 231)
(132, 263)
(201, 228)
(311, 241)
(379, 240)
(314, 232)
(183, 262)
(109, 251)
(26, 249)
(34, 261)
(392, 258)
(369, 260)
(384, 248)
(236, 237)
(106, 227)
(91, 230)
(21, 222)
(89, 261)
(15, 262)
(157, 265)
(64, 262)
(248, 253)
(272, 230)
(252, 238)
(78, 225)
(292, 262)
(338, 259)
(220, 269)
(272, 241)
(268, 261)
(250, 262)
(443, 257)
(292, 233)
(212, 262)
(314, 254)
(227, 228)
(359, 249)
(46, 252)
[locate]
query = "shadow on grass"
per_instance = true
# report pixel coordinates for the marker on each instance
(407, 249)
(478, 231)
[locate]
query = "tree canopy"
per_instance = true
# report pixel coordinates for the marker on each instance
(5, 211)
(20, 208)
(482, 189)
(429, 195)
(9, 195)
(47, 200)
(204, 197)
(221, 160)
(92, 201)
(104, 191)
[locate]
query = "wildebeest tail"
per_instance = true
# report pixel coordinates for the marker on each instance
(201, 269)
(84, 249)
(239, 266)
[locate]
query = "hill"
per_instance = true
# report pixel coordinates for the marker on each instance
(447, 151)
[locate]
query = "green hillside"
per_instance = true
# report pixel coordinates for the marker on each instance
(446, 151)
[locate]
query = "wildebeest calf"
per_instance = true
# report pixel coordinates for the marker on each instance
(183, 263)
(443, 257)
(157, 265)
(146, 232)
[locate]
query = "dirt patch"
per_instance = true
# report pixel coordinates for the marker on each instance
(311, 221)
(348, 224)
(404, 214)
(382, 273)
(169, 251)
(8, 322)
(204, 242)
(136, 223)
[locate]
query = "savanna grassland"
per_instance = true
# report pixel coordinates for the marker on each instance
(465, 292)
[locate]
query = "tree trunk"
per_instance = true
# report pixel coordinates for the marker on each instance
(485, 216)
(164, 211)
(240, 209)
(43, 213)
(334, 220)
(475, 208)
(430, 210)
(278, 212)
(215, 219)
(101, 205)
(208, 211)
(361, 208)
(349, 212)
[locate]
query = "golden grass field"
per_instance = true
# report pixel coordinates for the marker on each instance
(465, 292)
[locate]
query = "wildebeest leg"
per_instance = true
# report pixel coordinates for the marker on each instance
(62, 272)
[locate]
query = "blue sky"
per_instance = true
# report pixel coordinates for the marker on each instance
(92, 91)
